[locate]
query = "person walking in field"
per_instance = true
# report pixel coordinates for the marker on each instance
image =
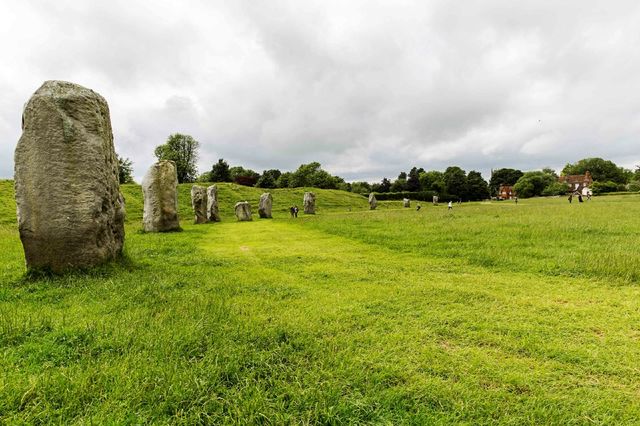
(570, 198)
(516, 199)
(295, 211)
(450, 206)
(291, 211)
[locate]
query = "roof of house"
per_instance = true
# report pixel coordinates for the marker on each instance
(576, 178)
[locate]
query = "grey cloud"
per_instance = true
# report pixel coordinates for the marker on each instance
(367, 88)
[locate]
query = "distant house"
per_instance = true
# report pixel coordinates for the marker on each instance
(578, 184)
(506, 192)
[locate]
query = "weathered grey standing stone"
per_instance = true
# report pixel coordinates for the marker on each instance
(406, 202)
(159, 188)
(373, 203)
(435, 200)
(266, 203)
(243, 211)
(309, 203)
(70, 209)
(213, 215)
(199, 203)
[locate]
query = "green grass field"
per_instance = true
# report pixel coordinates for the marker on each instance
(494, 313)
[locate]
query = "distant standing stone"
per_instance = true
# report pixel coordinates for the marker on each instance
(309, 203)
(212, 204)
(159, 188)
(69, 206)
(406, 202)
(199, 203)
(435, 200)
(266, 203)
(373, 203)
(243, 211)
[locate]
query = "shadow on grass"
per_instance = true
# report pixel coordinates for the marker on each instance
(171, 231)
(123, 263)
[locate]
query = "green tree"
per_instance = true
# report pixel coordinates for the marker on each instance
(400, 184)
(532, 184)
(413, 179)
(283, 180)
(550, 171)
(556, 188)
(382, 187)
(312, 175)
(477, 187)
(385, 185)
(503, 177)
(242, 176)
(220, 172)
(455, 180)
(361, 187)
(125, 170)
(269, 179)
(433, 181)
(634, 186)
(204, 177)
(603, 187)
(601, 170)
(183, 150)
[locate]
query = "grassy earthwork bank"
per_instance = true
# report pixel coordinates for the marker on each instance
(493, 313)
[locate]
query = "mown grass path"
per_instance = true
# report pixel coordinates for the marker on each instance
(363, 317)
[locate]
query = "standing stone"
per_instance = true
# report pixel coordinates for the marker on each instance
(199, 203)
(70, 209)
(159, 188)
(406, 202)
(243, 211)
(373, 203)
(264, 208)
(213, 215)
(435, 200)
(309, 203)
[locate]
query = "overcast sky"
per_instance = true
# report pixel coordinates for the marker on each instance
(367, 88)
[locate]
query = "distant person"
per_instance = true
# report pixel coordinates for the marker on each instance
(291, 210)
(450, 205)
(579, 198)
(418, 208)
(516, 200)
(295, 211)
(570, 198)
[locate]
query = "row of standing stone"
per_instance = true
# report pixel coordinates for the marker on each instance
(373, 203)
(160, 192)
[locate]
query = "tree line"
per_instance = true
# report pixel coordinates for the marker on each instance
(453, 182)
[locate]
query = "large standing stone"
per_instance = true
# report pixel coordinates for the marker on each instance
(266, 203)
(213, 215)
(159, 188)
(373, 203)
(70, 209)
(199, 203)
(309, 203)
(406, 202)
(243, 211)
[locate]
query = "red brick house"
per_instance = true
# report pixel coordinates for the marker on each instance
(506, 192)
(578, 184)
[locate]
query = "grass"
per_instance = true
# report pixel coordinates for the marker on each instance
(489, 314)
